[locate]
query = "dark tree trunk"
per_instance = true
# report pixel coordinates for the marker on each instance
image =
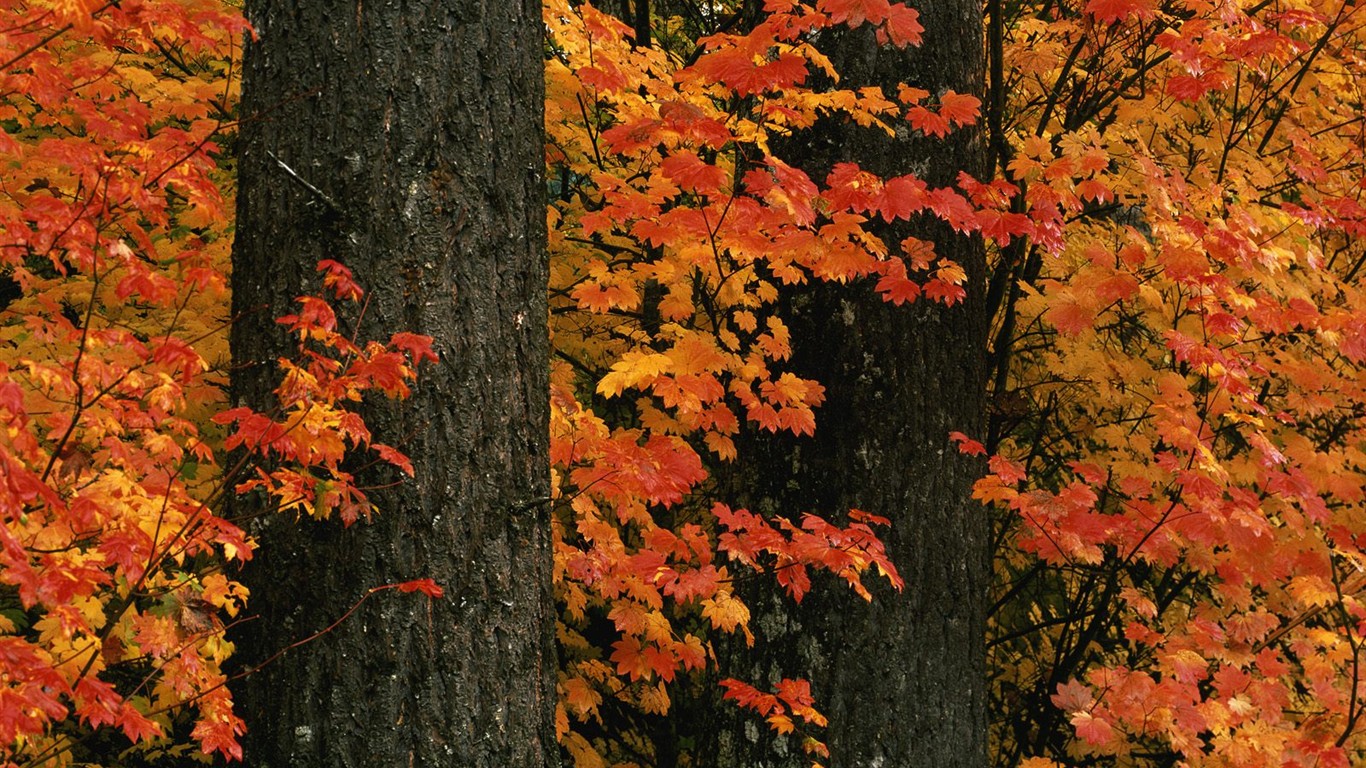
(404, 138)
(903, 678)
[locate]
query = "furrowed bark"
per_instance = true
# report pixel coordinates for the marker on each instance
(404, 139)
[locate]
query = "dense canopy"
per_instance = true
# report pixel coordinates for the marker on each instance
(1174, 444)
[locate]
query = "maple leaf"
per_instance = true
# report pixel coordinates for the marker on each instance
(895, 286)
(340, 280)
(393, 457)
(945, 292)
(927, 121)
(900, 198)
(1096, 190)
(692, 174)
(605, 76)
(1073, 696)
(628, 654)
(747, 73)
(1194, 87)
(634, 369)
(315, 319)
(1070, 317)
(725, 612)
(1092, 729)
(966, 445)
(97, 703)
(1111, 11)
(691, 653)
(417, 346)
(1008, 471)
(952, 208)
(425, 586)
(661, 661)
(219, 735)
(903, 26)
(959, 108)
(781, 723)
(1002, 227)
(794, 578)
(749, 697)
(854, 12)
(580, 696)
(135, 725)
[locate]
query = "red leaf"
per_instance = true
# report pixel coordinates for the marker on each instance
(417, 346)
(692, 175)
(903, 26)
(135, 725)
(220, 735)
(314, 314)
(967, 445)
(954, 209)
(425, 586)
(895, 286)
(1091, 189)
(855, 12)
(662, 661)
(1092, 729)
(97, 703)
(944, 292)
(1073, 696)
(795, 578)
(749, 697)
(394, 457)
(1010, 472)
(339, 278)
(926, 121)
(901, 197)
(1110, 11)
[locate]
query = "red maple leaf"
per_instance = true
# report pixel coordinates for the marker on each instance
(903, 26)
(427, 587)
(1110, 11)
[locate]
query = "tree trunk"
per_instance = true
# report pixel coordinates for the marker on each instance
(404, 139)
(902, 679)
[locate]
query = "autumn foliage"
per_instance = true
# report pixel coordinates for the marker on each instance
(1176, 436)
(1175, 430)
(116, 451)
(1178, 385)
(674, 225)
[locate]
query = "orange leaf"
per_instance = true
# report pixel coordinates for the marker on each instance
(960, 108)
(903, 26)
(630, 659)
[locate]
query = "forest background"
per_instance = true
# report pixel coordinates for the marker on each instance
(1171, 335)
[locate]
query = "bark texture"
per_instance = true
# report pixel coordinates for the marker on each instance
(903, 678)
(404, 138)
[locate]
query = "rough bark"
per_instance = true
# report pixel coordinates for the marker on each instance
(903, 678)
(404, 138)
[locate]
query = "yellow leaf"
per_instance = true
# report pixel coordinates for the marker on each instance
(725, 612)
(582, 752)
(781, 723)
(633, 370)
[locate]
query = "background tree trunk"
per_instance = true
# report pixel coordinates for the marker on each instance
(405, 140)
(902, 679)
